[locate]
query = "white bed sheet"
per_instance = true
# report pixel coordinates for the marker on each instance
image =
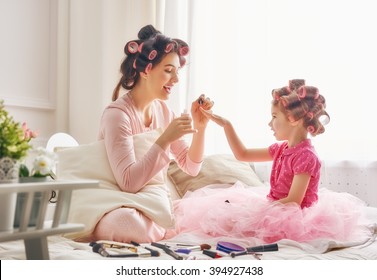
(61, 248)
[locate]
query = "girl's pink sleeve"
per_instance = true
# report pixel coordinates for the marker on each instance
(130, 174)
(306, 162)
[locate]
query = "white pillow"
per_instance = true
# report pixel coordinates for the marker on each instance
(89, 205)
(216, 169)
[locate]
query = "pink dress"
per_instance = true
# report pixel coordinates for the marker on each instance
(238, 211)
(119, 121)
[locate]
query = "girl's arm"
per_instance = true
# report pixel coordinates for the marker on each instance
(298, 189)
(238, 148)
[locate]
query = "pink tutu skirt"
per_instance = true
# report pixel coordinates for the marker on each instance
(245, 212)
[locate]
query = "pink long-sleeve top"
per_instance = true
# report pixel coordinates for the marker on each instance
(120, 121)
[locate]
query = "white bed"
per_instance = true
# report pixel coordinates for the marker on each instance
(62, 248)
(216, 169)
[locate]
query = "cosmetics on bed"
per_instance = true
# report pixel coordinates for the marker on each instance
(167, 250)
(110, 250)
(229, 247)
(256, 249)
(115, 245)
(264, 248)
(154, 253)
(101, 249)
(187, 249)
(214, 254)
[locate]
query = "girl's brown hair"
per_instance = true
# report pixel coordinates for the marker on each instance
(299, 101)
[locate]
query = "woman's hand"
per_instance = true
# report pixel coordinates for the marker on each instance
(176, 129)
(216, 118)
(200, 121)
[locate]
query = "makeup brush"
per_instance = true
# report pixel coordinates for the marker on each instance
(154, 253)
(167, 250)
(256, 249)
(190, 248)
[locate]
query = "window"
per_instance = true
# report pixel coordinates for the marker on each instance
(241, 50)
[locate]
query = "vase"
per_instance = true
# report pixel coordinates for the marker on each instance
(21, 202)
(9, 170)
(7, 211)
(8, 174)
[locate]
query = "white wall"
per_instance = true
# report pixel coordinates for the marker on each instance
(60, 60)
(28, 67)
(99, 30)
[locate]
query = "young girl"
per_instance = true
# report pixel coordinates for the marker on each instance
(294, 208)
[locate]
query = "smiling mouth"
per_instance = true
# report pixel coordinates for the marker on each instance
(168, 88)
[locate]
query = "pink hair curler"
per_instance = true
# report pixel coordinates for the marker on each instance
(183, 51)
(132, 47)
(148, 68)
(169, 47)
(152, 55)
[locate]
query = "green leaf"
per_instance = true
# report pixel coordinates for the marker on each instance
(24, 171)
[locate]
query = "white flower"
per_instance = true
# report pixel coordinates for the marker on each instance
(44, 162)
(42, 165)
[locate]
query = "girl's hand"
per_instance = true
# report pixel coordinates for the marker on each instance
(203, 102)
(216, 118)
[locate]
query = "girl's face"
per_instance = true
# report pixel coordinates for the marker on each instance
(164, 76)
(280, 124)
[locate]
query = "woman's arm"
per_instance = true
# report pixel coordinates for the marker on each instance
(200, 122)
(130, 173)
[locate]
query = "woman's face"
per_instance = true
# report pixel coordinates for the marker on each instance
(279, 123)
(164, 76)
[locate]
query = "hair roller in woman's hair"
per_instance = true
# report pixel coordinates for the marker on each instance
(148, 68)
(169, 47)
(132, 47)
(152, 55)
(183, 50)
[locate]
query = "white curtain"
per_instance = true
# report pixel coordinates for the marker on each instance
(242, 49)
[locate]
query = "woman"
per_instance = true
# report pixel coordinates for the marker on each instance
(149, 73)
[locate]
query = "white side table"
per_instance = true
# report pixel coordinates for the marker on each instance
(35, 238)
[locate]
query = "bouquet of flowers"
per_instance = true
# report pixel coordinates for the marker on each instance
(14, 137)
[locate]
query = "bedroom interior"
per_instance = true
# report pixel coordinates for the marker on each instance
(60, 65)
